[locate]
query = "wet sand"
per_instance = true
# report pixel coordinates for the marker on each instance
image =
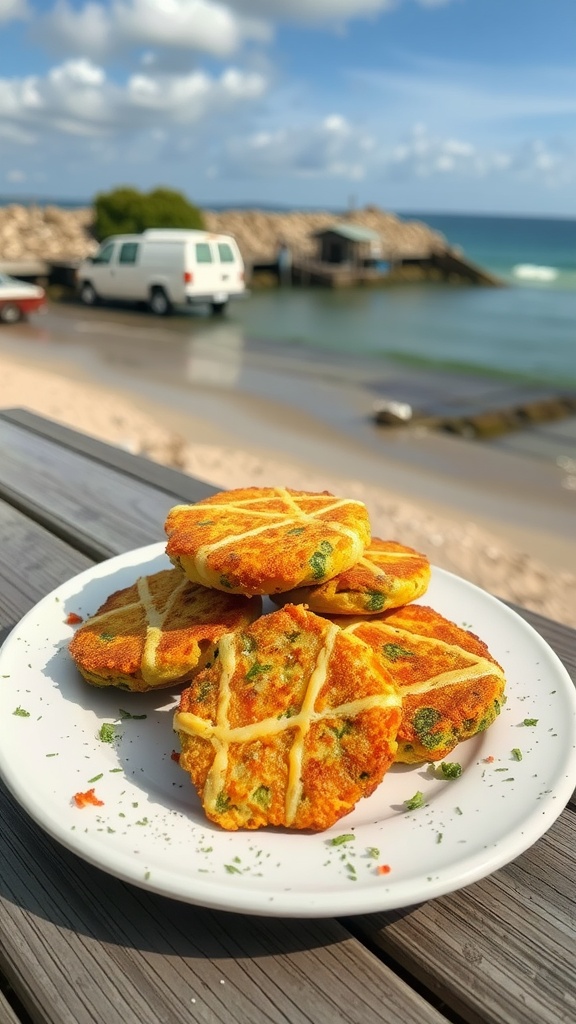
(501, 520)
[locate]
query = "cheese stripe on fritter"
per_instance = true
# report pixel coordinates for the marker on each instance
(221, 735)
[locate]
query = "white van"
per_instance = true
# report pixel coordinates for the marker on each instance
(164, 268)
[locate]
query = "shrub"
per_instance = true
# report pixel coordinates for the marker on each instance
(126, 211)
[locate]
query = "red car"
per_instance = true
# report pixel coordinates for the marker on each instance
(18, 298)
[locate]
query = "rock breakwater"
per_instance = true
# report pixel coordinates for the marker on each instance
(53, 233)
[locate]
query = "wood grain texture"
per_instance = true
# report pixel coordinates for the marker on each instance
(501, 951)
(186, 488)
(498, 952)
(100, 511)
(7, 1014)
(79, 946)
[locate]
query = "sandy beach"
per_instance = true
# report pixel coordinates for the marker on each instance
(232, 440)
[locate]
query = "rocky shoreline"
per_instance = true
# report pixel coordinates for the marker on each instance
(54, 233)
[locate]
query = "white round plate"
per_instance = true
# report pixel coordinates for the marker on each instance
(151, 829)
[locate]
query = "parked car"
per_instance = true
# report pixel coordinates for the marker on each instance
(164, 268)
(18, 298)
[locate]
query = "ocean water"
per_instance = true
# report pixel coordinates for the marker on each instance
(537, 251)
(525, 329)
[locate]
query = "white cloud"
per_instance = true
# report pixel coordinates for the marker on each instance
(331, 148)
(77, 98)
(96, 30)
(322, 10)
(10, 10)
(423, 155)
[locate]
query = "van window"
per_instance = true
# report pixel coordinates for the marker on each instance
(203, 253)
(225, 252)
(128, 252)
(105, 254)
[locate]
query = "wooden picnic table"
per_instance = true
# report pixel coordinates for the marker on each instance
(78, 945)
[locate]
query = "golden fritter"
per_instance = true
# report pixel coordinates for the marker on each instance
(451, 686)
(387, 576)
(263, 540)
(292, 724)
(158, 632)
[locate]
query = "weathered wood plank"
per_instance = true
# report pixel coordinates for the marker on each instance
(7, 1014)
(172, 481)
(501, 951)
(79, 946)
(508, 984)
(97, 509)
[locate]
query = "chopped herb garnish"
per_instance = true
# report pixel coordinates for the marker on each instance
(21, 712)
(395, 651)
(222, 802)
(257, 669)
(206, 522)
(297, 529)
(226, 582)
(458, 810)
(51, 755)
(424, 720)
(319, 558)
(107, 636)
(107, 733)
(342, 730)
(146, 876)
(375, 601)
(232, 869)
(293, 636)
(289, 713)
(530, 721)
(262, 796)
(249, 644)
(338, 840)
(516, 753)
(96, 777)
(114, 770)
(451, 769)
(373, 852)
(128, 714)
(439, 837)
(415, 801)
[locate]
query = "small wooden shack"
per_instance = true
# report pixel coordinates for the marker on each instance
(345, 243)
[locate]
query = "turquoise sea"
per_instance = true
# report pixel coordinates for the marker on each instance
(525, 329)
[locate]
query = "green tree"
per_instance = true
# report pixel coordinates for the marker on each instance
(125, 210)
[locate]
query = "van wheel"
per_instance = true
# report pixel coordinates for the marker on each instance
(10, 313)
(88, 294)
(160, 303)
(218, 308)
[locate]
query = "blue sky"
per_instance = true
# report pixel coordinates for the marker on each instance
(428, 105)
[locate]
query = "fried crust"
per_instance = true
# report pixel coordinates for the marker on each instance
(291, 726)
(451, 686)
(266, 540)
(388, 575)
(157, 632)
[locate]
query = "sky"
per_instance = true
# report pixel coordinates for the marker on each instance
(412, 105)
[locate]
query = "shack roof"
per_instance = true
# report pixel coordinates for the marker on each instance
(353, 232)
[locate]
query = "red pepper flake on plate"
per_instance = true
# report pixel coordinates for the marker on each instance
(489, 760)
(175, 756)
(72, 619)
(89, 797)
(383, 869)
